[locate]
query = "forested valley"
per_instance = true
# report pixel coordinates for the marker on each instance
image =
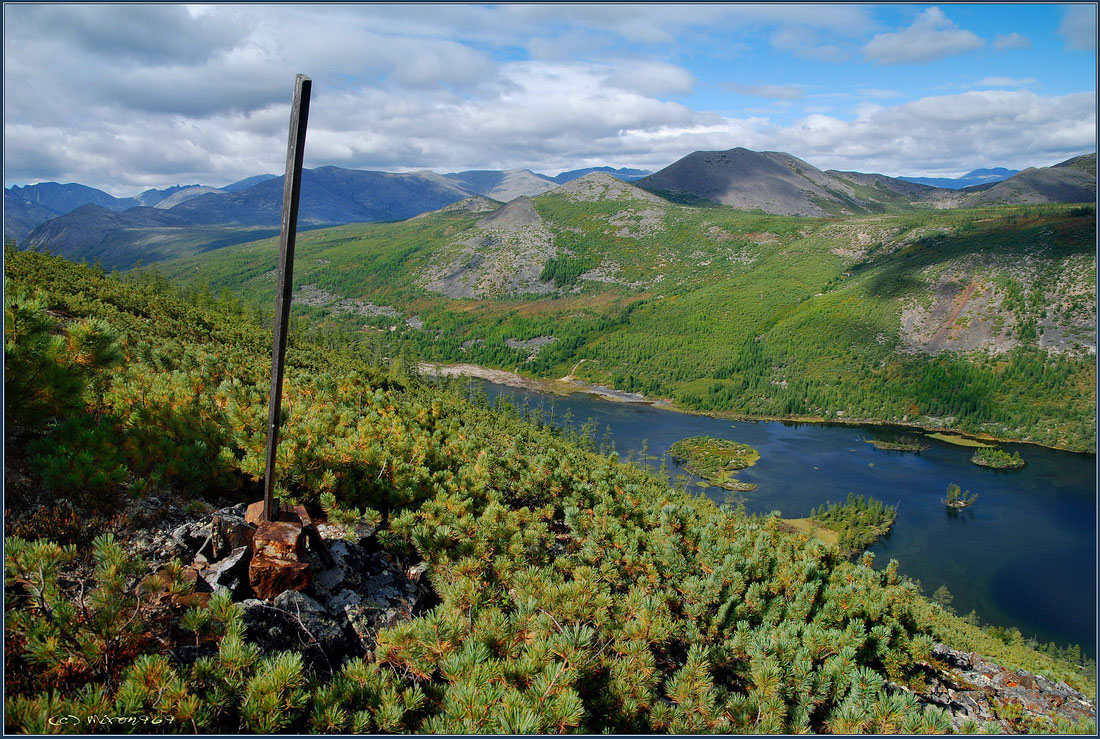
(977, 320)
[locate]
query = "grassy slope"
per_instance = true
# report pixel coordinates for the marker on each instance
(730, 311)
(517, 522)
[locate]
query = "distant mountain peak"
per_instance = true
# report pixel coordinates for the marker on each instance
(601, 185)
(502, 185)
(623, 173)
(980, 176)
(516, 214)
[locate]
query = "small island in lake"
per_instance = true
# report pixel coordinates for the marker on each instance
(957, 499)
(853, 526)
(998, 459)
(716, 460)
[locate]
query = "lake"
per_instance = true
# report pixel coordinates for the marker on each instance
(1023, 555)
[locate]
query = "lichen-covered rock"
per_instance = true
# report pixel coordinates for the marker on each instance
(230, 573)
(971, 687)
(228, 531)
(292, 596)
(315, 620)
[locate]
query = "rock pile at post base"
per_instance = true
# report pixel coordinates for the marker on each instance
(339, 613)
(340, 607)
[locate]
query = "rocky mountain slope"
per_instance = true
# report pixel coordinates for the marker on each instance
(209, 218)
(248, 182)
(779, 183)
(776, 182)
(329, 195)
(22, 216)
(174, 195)
(1071, 181)
(27, 207)
(64, 198)
(122, 239)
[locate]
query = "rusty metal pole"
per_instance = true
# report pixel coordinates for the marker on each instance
(292, 184)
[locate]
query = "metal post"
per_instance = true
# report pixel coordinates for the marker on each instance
(292, 183)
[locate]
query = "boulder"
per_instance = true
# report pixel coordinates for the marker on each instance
(270, 577)
(228, 531)
(296, 621)
(230, 573)
(349, 564)
(312, 618)
(278, 540)
(254, 513)
(191, 535)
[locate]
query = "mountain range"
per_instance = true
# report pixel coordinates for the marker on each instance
(983, 176)
(80, 222)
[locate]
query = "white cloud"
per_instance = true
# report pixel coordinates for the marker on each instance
(403, 87)
(1005, 82)
(1012, 41)
(1015, 129)
(1079, 27)
(652, 78)
(805, 42)
(779, 92)
(932, 36)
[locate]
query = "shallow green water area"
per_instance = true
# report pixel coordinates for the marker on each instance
(1024, 555)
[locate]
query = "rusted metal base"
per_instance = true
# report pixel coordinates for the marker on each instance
(278, 550)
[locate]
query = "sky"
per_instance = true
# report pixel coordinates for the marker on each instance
(129, 97)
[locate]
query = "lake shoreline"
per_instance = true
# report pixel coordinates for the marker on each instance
(569, 385)
(1024, 518)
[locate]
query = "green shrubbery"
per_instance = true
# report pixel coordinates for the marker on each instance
(999, 458)
(576, 593)
(958, 498)
(858, 522)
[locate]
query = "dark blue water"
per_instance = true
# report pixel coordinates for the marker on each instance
(1023, 555)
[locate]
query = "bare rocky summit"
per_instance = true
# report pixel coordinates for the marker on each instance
(1071, 181)
(602, 186)
(504, 255)
(778, 183)
(476, 204)
(517, 214)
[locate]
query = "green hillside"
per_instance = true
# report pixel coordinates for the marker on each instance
(980, 320)
(575, 593)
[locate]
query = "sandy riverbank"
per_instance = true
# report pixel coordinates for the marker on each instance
(569, 384)
(563, 386)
